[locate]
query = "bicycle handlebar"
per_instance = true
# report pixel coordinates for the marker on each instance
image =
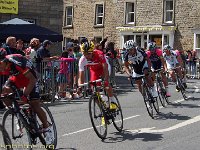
(84, 84)
(6, 95)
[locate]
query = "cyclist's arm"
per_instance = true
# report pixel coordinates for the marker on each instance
(81, 77)
(148, 62)
(32, 82)
(180, 61)
(163, 62)
(82, 63)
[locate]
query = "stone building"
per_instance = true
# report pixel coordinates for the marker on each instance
(45, 13)
(173, 22)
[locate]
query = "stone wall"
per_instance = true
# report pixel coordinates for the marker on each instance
(46, 13)
(148, 12)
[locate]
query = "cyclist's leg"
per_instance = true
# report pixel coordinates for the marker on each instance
(150, 82)
(178, 70)
(165, 82)
(36, 106)
(6, 90)
(139, 84)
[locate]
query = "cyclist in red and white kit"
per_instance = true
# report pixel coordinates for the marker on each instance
(98, 68)
(22, 75)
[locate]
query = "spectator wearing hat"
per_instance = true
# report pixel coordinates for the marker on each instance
(43, 54)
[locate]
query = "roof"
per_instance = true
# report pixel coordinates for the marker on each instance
(16, 21)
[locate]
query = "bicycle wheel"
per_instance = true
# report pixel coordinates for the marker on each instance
(182, 89)
(148, 101)
(132, 82)
(118, 116)
(5, 139)
(52, 124)
(19, 135)
(161, 93)
(97, 116)
(155, 105)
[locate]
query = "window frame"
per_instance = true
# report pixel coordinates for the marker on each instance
(165, 11)
(100, 16)
(98, 37)
(71, 16)
(126, 13)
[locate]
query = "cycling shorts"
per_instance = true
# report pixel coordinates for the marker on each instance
(34, 95)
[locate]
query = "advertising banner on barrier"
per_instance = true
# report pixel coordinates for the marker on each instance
(9, 6)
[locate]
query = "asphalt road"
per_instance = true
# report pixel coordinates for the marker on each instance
(176, 127)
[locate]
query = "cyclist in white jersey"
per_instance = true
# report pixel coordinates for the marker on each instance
(170, 57)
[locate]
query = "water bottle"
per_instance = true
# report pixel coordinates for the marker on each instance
(104, 99)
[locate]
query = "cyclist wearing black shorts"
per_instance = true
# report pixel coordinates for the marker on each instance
(22, 75)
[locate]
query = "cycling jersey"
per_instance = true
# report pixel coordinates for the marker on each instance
(171, 60)
(19, 66)
(138, 61)
(96, 71)
(155, 58)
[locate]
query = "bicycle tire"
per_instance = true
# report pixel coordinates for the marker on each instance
(182, 89)
(147, 101)
(51, 122)
(13, 136)
(6, 138)
(118, 112)
(132, 82)
(161, 94)
(156, 105)
(93, 104)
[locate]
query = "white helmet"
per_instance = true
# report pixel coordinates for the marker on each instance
(130, 44)
(167, 47)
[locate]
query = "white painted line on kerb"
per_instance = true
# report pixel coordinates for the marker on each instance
(82, 130)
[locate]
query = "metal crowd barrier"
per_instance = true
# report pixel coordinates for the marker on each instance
(193, 70)
(53, 85)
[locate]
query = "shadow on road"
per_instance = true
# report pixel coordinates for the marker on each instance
(171, 115)
(127, 135)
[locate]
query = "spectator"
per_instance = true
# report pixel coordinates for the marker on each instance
(63, 73)
(20, 46)
(43, 54)
(193, 63)
(10, 46)
(31, 51)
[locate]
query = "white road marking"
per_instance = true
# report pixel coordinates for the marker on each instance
(82, 130)
(196, 89)
(179, 125)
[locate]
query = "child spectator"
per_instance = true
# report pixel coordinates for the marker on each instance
(63, 73)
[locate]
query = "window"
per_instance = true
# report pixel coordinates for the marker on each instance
(69, 16)
(168, 11)
(97, 39)
(130, 13)
(99, 16)
(198, 41)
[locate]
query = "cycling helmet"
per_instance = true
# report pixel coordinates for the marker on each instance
(151, 46)
(167, 47)
(3, 53)
(87, 47)
(130, 44)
